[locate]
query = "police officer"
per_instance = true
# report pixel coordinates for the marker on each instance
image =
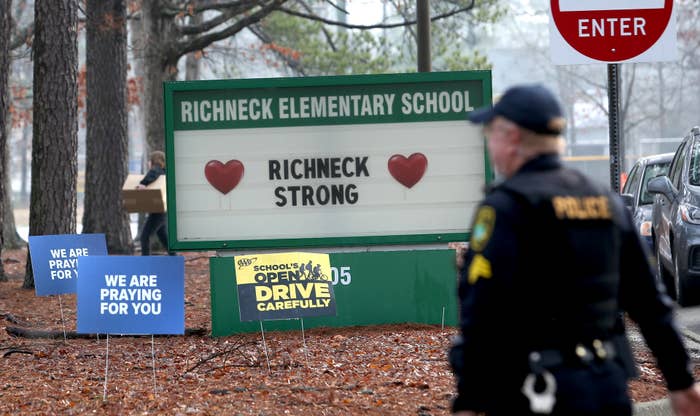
(552, 261)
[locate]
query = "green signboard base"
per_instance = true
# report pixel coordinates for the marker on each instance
(371, 288)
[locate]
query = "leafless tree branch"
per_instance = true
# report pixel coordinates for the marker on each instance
(16, 331)
(237, 348)
(201, 42)
(172, 9)
(215, 21)
(375, 26)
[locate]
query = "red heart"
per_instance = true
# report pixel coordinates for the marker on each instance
(408, 171)
(224, 177)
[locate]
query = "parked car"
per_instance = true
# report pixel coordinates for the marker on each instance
(636, 195)
(676, 221)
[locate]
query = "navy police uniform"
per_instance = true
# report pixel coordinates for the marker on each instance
(553, 261)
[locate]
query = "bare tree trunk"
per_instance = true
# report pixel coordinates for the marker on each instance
(107, 141)
(139, 39)
(5, 29)
(191, 67)
(137, 52)
(158, 68)
(53, 202)
(192, 59)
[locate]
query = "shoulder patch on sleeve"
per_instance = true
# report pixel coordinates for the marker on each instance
(480, 267)
(483, 228)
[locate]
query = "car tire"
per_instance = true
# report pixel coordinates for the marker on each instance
(681, 287)
(664, 277)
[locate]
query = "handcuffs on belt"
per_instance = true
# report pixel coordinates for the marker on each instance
(543, 403)
(540, 403)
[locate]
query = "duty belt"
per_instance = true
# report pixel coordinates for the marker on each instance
(580, 353)
(541, 362)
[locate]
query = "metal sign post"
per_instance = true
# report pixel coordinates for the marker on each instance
(616, 139)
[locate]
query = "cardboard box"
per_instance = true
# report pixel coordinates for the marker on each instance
(152, 198)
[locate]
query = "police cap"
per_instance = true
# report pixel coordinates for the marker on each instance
(532, 107)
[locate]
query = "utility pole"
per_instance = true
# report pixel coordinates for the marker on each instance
(423, 23)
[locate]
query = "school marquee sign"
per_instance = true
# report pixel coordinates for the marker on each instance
(326, 161)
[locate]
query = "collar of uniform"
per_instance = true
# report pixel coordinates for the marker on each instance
(539, 163)
(542, 162)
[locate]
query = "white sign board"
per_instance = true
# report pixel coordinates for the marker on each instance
(324, 161)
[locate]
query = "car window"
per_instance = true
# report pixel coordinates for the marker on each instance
(632, 183)
(694, 165)
(652, 170)
(677, 164)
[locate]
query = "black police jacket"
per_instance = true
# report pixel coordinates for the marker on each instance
(552, 261)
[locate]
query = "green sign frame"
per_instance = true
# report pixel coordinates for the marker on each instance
(477, 83)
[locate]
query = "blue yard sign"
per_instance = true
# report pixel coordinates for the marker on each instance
(131, 295)
(55, 260)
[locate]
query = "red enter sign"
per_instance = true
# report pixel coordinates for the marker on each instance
(612, 34)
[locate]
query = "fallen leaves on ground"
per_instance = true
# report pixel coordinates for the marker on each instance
(377, 370)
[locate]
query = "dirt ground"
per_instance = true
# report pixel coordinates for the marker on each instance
(378, 370)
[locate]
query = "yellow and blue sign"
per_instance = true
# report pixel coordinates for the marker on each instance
(284, 286)
(131, 295)
(55, 260)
